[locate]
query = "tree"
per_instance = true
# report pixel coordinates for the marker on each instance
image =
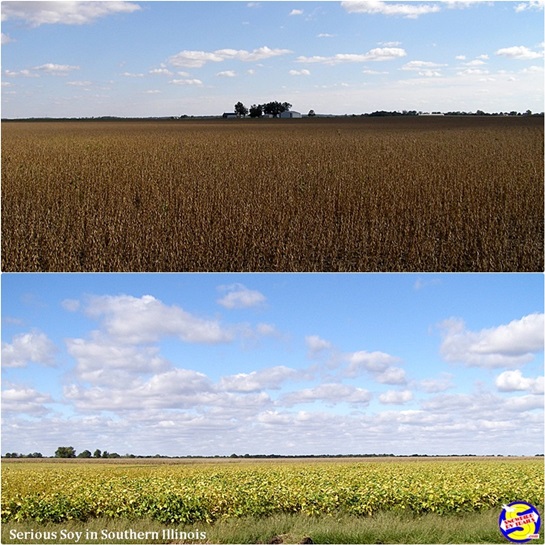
(85, 454)
(256, 110)
(241, 110)
(276, 108)
(105, 454)
(97, 453)
(311, 113)
(65, 452)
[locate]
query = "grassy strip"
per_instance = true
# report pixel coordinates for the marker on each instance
(385, 527)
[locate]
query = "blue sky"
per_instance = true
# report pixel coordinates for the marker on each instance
(200, 58)
(210, 364)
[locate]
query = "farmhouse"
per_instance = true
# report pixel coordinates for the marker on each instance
(291, 115)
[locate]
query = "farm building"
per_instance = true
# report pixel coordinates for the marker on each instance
(291, 115)
(229, 115)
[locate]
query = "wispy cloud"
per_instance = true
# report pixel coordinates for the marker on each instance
(66, 12)
(410, 10)
(377, 54)
(197, 59)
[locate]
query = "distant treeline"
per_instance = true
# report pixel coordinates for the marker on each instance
(378, 113)
(69, 452)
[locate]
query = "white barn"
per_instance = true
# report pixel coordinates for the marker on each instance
(291, 115)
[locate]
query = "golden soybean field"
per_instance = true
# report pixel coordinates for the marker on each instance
(355, 194)
(207, 492)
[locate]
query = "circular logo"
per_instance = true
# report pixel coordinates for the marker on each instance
(519, 522)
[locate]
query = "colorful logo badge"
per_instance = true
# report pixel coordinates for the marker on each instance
(519, 522)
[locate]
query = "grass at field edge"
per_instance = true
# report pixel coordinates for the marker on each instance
(382, 528)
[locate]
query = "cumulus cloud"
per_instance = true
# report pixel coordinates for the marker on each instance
(530, 5)
(193, 81)
(375, 55)
(315, 345)
(419, 65)
(197, 59)
(392, 375)
(66, 12)
(513, 381)
(519, 52)
(303, 72)
(227, 74)
(24, 401)
(375, 362)
(435, 385)
(331, 394)
(296, 12)
(507, 345)
(395, 397)
(146, 319)
(32, 347)
(265, 379)
(6, 39)
(160, 72)
(101, 360)
(239, 296)
(411, 10)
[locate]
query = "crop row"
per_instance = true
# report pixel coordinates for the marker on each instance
(207, 492)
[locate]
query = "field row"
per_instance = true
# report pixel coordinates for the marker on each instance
(203, 493)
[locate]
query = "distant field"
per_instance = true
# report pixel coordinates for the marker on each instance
(437, 500)
(355, 194)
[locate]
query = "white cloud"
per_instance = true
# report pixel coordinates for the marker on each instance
(378, 54)
(296, 12)
(161, 72)
(265, 379)
(193, 81)
(24, 400)
(197, 59)
(239, 296)
(375, 362)
(132, 75)
(513, 381)
(325, 35)
(392, 375)
(33, 347)
(146, 319)
(419, 65)
(66, 12)
(434, 386)
(519, 52)
(6, 39)
(507, 345)
(53, 69)
(395, 397)
(79, 83)
(530, 5)
(315, 345)
(331, 394)
(303, 72)
(411, 10)
(226, 74)
(102, 360)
